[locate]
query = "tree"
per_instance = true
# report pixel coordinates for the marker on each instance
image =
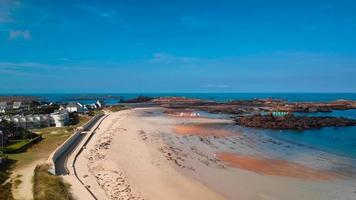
(74, 118)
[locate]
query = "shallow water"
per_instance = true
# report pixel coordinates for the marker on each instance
(335, 113)
(309, 148)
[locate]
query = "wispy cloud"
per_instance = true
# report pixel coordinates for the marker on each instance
(104, 13)
(221, 86)
(6, 10)
(22, 68)
(21, 64)
(36, 68)
(18, 34)
(166, 58)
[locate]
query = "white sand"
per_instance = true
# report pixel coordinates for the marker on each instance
(126, 166)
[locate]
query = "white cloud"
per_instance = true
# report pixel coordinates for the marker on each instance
(25, 34)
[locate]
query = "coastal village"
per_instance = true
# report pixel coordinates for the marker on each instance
(30, 129)
(57, 118)
(19, 118)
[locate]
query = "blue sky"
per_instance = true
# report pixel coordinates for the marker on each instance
(177, 46)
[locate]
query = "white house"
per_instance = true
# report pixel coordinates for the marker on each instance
(75, 107)
(98, 104)
(29, 121)
(60, 118)
(3, 107)
(17, 105)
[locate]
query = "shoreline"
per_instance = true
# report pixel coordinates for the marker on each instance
(144, 154)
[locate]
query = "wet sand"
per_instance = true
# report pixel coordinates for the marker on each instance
(274, 167)
(147, 154)
(201, 130)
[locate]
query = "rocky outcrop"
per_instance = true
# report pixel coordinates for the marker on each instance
(175, 100)
(240, 107)
(292, 122)
(139, 99)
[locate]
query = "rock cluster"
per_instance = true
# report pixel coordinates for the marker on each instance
(292, 122)
(241, 107)
(174, 100)
(139, 99)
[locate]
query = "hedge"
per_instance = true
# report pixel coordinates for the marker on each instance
(21, 146)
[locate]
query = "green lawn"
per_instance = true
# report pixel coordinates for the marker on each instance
(16, 146)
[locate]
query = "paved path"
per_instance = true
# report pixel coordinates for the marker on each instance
(61, 162)
(67, 163)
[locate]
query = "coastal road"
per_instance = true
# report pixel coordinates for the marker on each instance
(61, 162)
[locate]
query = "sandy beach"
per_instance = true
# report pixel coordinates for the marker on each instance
(144, 153)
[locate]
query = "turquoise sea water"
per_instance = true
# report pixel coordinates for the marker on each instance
(336, 140)
(340, 141)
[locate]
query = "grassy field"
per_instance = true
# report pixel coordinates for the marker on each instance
(47, 186)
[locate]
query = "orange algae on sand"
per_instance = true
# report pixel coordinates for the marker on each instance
(200, 130)
(273, 167)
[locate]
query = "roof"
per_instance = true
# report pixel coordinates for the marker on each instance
(73, 104)
(17, 103)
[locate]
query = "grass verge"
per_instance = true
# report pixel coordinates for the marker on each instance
(116, 108)
(20, 145)
(47, 186)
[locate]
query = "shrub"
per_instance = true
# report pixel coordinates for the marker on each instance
(47, 186)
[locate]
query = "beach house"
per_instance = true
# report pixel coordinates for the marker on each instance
(17, 105)
(29, 121)
(98, 104)
(75, 107)
(60, 118)
(3, 107)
